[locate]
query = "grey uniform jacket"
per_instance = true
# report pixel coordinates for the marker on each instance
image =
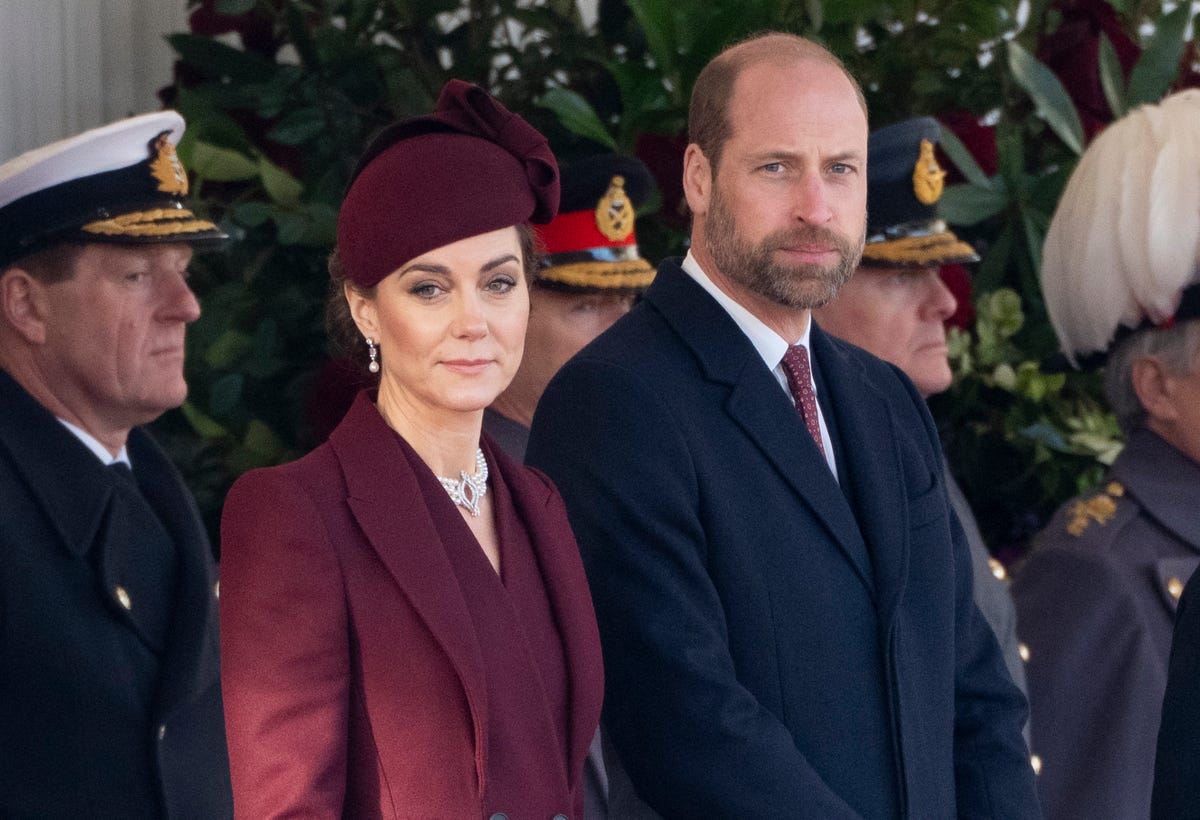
(1095, 603)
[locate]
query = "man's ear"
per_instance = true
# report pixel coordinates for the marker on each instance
(362, 311)
(697, 179)
(23, 304)
(1152, 384)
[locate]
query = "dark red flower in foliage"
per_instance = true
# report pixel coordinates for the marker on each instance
(664, 157)
(1072, 52)
(958, 280)
(980, 140)
(256, 30)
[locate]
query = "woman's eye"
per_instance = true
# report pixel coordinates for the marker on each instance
(427, 290)
(501, 284)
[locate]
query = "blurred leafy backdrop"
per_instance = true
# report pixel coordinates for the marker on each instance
(282, 95)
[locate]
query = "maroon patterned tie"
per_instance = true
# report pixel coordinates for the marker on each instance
(799, 379)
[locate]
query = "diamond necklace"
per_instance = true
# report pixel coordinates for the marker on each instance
(467, 490)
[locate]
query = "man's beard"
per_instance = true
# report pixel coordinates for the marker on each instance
(754, 266)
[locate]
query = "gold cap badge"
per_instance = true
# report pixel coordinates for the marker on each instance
(167, 168)
(928, 176)
(614, 213)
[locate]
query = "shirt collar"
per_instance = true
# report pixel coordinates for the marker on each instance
(769, 344)
(98, 449)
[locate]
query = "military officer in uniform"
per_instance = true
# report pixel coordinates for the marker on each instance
(110, 703)
(1096, 598)
(896, 305)
(591, 273)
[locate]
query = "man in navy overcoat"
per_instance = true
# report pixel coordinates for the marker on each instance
(784, 597)
(110, 698)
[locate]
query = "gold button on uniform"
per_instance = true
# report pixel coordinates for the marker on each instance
(997, 569)
(1023, 651)
(1036, 763)
(123, 597)
(1175, 587)
(217, 589)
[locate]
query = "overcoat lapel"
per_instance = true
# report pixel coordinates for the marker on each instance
(382, 490)
(758, 405)
(189, 664)
(566, 587)
(870, 451)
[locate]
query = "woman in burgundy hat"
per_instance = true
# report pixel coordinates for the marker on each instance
(405, 623)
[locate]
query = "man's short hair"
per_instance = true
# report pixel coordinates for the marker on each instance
(708, 121)
(50, 265)
(1174, 347)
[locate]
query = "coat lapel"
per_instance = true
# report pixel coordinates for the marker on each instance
(875, 481)
(382, 491)
(566, 587)
(758, 406)
(189, 663)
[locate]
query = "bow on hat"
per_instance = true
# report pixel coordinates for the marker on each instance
(470, 167)
(471, 110)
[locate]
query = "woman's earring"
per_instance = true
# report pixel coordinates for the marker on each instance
(373, 352)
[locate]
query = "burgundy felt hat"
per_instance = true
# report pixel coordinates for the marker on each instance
(470, 167)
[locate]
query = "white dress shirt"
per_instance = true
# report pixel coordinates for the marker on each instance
(93, 444)
(769, 344)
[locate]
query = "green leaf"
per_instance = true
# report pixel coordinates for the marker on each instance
(283, 188)
(229, 347)
(299, 126)
(291, 227)
(1053, 103)
(657, 21)
(1159, 63)
(221, 164)
(234, 7)
(577, 115)
(213, 58)
(963, 160)
(251, 214)
(990, 273)
(816, 13)
(262, 440)
(971, 204)
(1112, 80)
(204, 426)
(1035, 224)
(225, 394)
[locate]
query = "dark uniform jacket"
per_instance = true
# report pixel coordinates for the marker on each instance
(1176, 793)
(775, 644)
(95, 721)
(1095, 603)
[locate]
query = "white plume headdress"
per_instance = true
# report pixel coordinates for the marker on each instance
(1124, 243)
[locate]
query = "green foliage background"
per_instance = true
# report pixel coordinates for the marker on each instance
(282, 95)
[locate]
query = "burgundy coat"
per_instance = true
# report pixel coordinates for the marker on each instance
(353, 680)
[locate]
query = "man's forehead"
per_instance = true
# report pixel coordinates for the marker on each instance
(807, 97)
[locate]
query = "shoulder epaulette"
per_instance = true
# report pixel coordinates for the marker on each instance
(1099, 508)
